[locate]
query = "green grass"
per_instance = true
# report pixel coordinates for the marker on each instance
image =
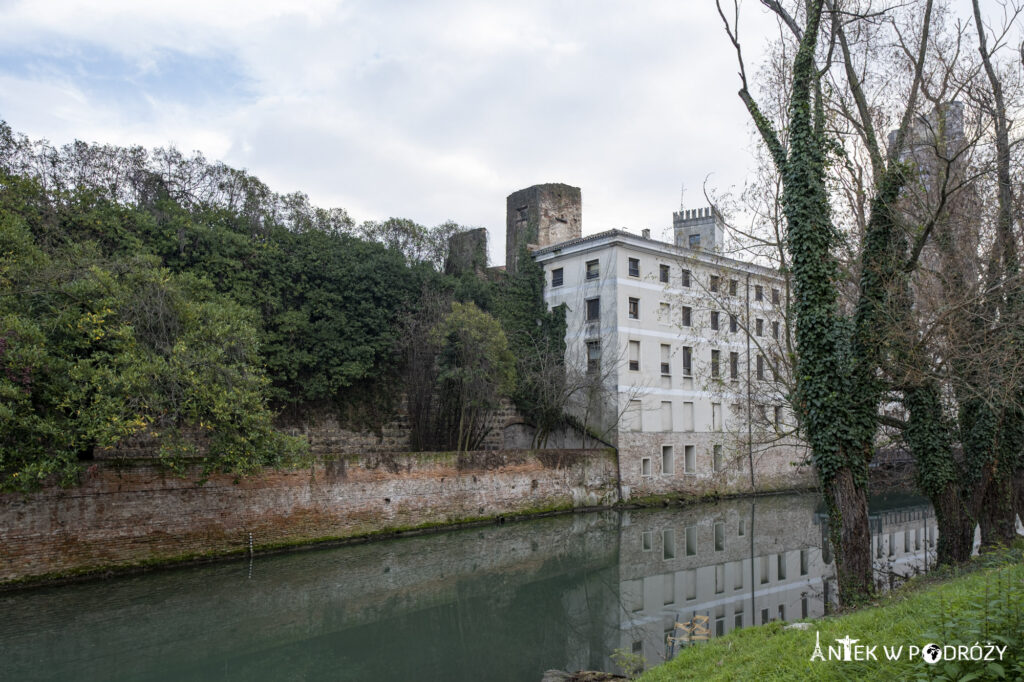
(981, 602)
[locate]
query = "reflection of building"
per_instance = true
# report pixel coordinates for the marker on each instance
(746, 563)
(673, 343)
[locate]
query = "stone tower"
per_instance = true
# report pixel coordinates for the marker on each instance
(699, 228)
(467, 252)
(540, 216)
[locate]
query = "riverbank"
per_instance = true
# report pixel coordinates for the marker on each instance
(981, 603)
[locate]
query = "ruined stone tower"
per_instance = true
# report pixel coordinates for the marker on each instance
(541, 215)
(699, 229)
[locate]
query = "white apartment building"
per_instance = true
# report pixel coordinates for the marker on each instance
(684, 342)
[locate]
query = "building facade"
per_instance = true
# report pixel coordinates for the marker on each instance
(677, 349)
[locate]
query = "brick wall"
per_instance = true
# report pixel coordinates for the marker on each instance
(130, 512)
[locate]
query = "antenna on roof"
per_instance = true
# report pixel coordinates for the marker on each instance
(682, 194)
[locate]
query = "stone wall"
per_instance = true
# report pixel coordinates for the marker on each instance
(132, 512)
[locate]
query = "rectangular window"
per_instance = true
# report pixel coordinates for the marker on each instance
(668, 589)
(738, 618)
(593, 269)
(593, 357)
(764, 569)
(664, 313)
(776, 297)
(742, 529)
(666, 415)
(713, 283)
(734, 366)
(688, 424)
(803, 607)
(758, 292)
(782, 566)
(691, 541)
(665, 364)
(733, 286)
(778, 416)
(634, 356)
(687, 361)
(719, 536)
(634, 416)
(645, 466)
(737, 581)
(686, 277)
(716, 416)
(760, 366)
(634, 308)
(593, 309)
(764, 616)
(759, 327)
(714, 363)
(694, 241)
(556, 277)
(734, 323)
(668, 465)
(718, 459)
(782, 612)
(803, 562)
(690, 458)
(687, 314)
(634, 267)
(775, 330)
(663, 273)
(714, 320)
(646, 540)
(719, 578)
(668, 541)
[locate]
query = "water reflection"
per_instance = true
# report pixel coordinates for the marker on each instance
(494, 603)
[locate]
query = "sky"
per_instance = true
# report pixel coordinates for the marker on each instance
(433, 110)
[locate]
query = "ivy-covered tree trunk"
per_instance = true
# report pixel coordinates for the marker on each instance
(931, 443)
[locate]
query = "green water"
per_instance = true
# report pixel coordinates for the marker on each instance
(495, 603)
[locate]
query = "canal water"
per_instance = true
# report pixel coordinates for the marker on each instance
(489, 603)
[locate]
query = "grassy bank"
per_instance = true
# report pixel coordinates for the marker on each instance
(980, 603)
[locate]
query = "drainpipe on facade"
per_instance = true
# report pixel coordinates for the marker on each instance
(750, 415)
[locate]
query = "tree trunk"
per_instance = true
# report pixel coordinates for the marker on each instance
(848, 514)
(997, 515)
(956, 527)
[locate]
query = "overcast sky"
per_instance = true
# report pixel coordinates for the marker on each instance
(429, 110)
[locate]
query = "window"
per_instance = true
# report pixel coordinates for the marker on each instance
(719, 461)
(634, 356)
(646, 540)
(688, 424)
(714, 363)
(634, 308)
(742, 529)
(719, 536)
(734, 323)
(733, 286)
(668, 544)
(593, 357)
(782, 566)
(687, 315)
(666, 415)
(738, 618)
(645, 466)
(690, 459)
(760, 366)
(758, 292)
(776, 296)
(694, 241)
(668, 590)
(634, 267)
(687, 361)
(737, 584)
(668, 465)
(593, 270)
(593, 309)
(716, 416)
(804, 561)
(556, 277)
(778, 416)
(665, 364)
(663, 273)
(634, 416)
(719, 578)
(713, 283)
(714, 320)
(686, 277)
(775, 330)
(691, 541)
(664, 313)
(763, 560)
(734, 366)
(759, 327)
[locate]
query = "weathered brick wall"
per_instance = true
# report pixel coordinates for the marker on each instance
(132, 512)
